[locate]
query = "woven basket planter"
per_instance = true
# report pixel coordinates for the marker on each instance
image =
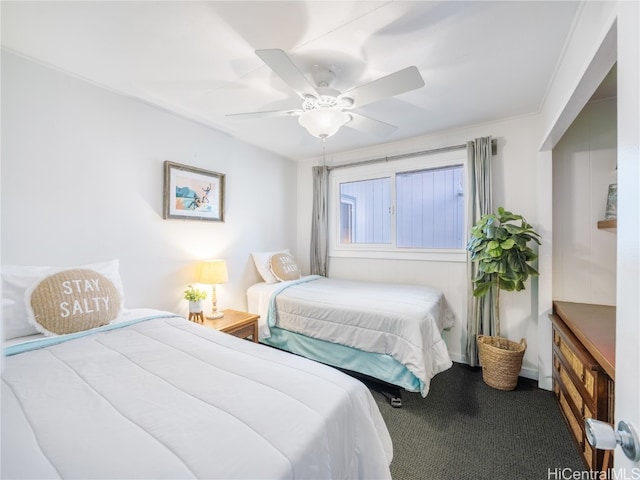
(501, 360)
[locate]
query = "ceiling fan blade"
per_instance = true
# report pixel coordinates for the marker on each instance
(393, 84)
(369, 125)
(282, 65)
(274, 113)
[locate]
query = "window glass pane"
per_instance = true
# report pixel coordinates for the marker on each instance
(364, 211)
(430, 208)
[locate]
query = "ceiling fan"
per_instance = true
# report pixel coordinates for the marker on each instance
(324, 109)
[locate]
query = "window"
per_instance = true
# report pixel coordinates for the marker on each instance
(430, 208)
(409, 206)
(364, 211)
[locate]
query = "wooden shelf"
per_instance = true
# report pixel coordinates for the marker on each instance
(602, 224)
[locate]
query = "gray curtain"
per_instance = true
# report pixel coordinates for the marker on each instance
(320, 221)
(480, 315)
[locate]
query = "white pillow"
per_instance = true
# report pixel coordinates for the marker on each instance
(17, 280)
(262, 260)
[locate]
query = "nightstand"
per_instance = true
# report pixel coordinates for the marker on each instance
(236, 323)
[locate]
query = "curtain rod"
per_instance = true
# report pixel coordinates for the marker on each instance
(494, 151)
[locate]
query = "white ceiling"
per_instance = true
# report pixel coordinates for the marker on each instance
(480, 60)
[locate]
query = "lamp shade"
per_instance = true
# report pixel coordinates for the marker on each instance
(213, 272)
(323, 122)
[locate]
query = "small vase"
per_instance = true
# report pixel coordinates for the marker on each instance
(195, 307)
(612, 202)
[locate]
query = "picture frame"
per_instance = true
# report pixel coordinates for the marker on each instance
(192, 193)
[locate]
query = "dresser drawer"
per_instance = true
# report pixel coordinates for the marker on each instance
(572, 392)
(579, 364)
(576, 428)
(582, 388)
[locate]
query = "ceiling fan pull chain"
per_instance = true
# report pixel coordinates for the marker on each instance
(324, 158)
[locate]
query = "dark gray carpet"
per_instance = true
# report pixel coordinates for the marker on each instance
(466, 430)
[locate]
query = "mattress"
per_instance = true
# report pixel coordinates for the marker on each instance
(162, 397)
(403, 322)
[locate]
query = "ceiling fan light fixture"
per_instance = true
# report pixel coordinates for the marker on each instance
(323, 122)
(345, 102)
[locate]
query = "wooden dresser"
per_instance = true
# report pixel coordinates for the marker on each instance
(584, 370)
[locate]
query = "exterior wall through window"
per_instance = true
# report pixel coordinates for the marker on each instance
(409, 208)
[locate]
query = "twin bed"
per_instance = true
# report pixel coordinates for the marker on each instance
(147, 394)
(390, 332)
(158, 397)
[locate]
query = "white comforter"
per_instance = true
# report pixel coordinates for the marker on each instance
(403, 321)
(167, 398)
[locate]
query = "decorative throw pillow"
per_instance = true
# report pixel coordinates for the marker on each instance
(17, 279)
(284, 267)
(262, 262)
(72, 301)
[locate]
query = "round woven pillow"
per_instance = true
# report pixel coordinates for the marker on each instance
(73, 300)
(283, 266)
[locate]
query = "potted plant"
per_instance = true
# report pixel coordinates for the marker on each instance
(196, 298)
(499, 244)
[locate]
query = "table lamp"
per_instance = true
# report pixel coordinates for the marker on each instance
(214, 272)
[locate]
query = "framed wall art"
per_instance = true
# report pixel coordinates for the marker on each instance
(193, 193)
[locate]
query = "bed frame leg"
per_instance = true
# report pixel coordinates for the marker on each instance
(391, 392)
(394, 397)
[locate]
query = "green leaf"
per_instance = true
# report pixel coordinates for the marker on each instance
(508, 244)
(503, 266)
(501, 234)
(489, 267)
(482, 289)
(514, 229)
(532, 271)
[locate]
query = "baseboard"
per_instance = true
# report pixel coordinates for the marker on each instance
(525, 372)
(458, 358)
(528, 373)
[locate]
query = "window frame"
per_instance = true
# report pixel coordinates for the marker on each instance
(390, 169)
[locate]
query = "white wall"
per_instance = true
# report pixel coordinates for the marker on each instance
(82, 181)
(589, 55)
(584, 164)
(514, 185)
(604, 32)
